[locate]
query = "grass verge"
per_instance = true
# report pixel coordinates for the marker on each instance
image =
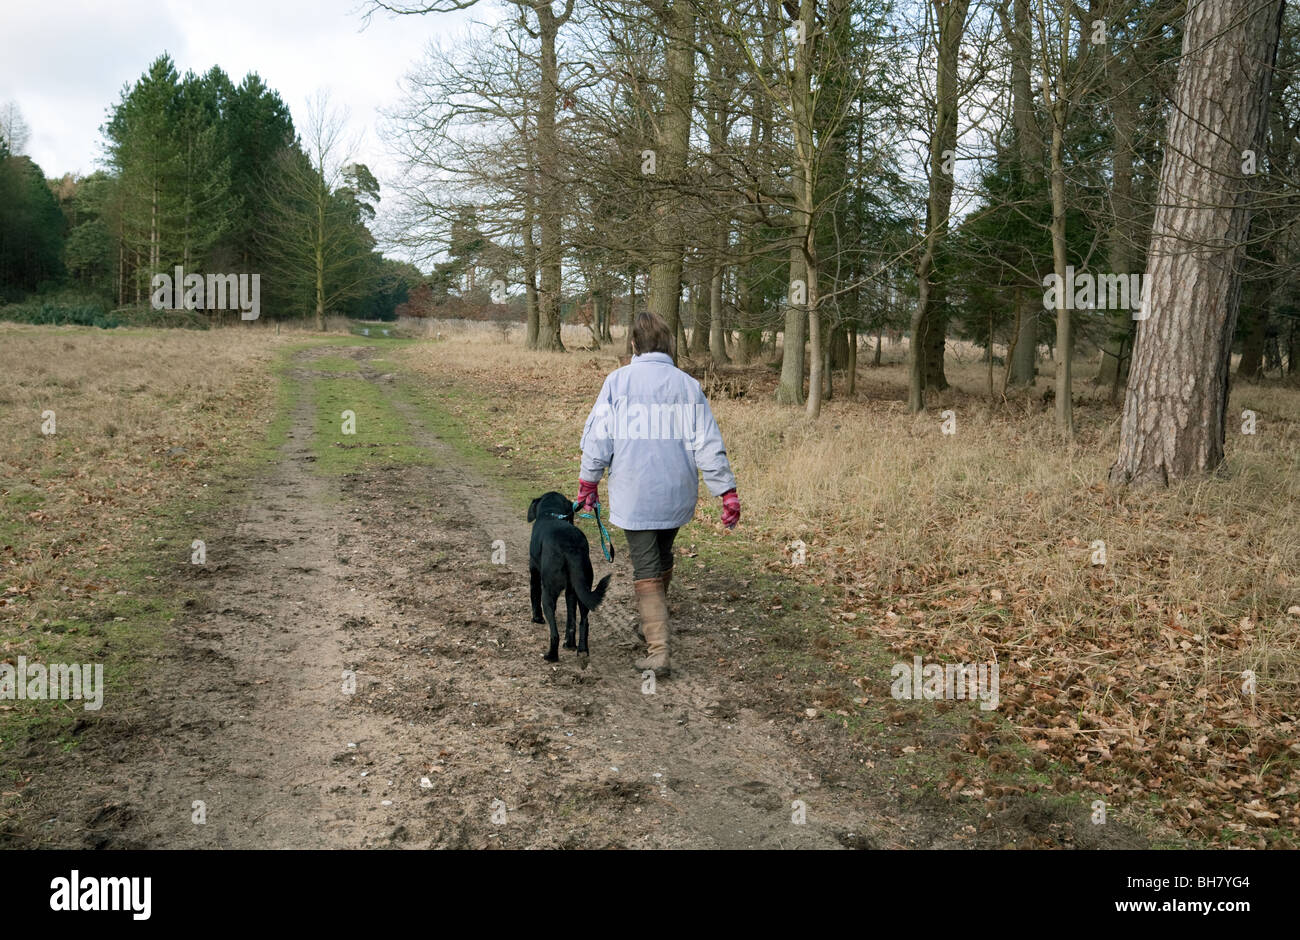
(103, 499)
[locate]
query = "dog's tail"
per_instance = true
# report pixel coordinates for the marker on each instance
(590, 599)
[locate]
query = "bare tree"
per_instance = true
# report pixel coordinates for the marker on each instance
(13, 129)
(547, 210)
(306, 228)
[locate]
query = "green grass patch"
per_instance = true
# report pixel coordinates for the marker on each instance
(335, 364)
(287, 395)
(357, 426)
(450, 411)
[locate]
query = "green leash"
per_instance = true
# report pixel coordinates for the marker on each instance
(606, 543)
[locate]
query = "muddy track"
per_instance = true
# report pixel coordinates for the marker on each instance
(357, 672)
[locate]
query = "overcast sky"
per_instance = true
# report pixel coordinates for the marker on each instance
(64, 62)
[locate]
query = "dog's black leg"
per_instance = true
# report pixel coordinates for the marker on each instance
(548, 609)
(582, 630)
(571, 602)
(535, 592)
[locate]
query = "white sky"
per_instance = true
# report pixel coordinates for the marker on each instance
(64, 62)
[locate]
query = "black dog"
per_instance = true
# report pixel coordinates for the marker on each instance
(558, 561)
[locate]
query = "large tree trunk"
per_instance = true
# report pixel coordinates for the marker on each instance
(1114, 364)
(927, 327)
(828, 374)
(631, 309)
(838, 341)
(550, 251)
(1024, 360)
(1175, 413)
(603, 308)
(805, 184)
(851, 363)
(750, 346)
(1255, 312)
(1064, 335)
(717, 117)
(817, 355)
(717, 345)
(916, 342)
(935, 341)
(670, 164)
(1056, 96)
(531, 310)
(699, 322)
(821, 148)
(790, 389)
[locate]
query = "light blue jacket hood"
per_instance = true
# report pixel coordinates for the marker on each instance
(653, 430)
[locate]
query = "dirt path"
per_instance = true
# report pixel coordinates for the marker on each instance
(457, 734)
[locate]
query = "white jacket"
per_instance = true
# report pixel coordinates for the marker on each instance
(653, 430)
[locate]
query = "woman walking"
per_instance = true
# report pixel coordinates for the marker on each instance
(653, 430)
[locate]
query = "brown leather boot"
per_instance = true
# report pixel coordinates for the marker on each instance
(653, 608)
(668, 578)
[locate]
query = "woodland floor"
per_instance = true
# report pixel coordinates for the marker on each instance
(319, 565)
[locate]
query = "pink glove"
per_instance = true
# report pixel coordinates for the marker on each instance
(730, 509)
(587, 495)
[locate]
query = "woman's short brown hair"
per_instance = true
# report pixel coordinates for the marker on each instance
(651, 334)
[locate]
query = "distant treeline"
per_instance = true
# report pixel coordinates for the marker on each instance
(203, 174)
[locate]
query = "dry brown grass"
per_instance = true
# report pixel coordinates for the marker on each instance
(959, 548)
(978, 546)
(79, 500)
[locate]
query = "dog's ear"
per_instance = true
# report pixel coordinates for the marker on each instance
(532, 509)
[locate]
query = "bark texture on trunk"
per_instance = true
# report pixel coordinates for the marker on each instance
(928, 326)
(699, 343)
(717, 344)
(551, 187)
(803, 112)
(790, 389)
(664, 291)
(1029, 143)
(750, 346)
(1114, 362)
(851, 365)
(1175, 413)
(1024, 358)
(532, 328)
(631, 309)
(1064, 352)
